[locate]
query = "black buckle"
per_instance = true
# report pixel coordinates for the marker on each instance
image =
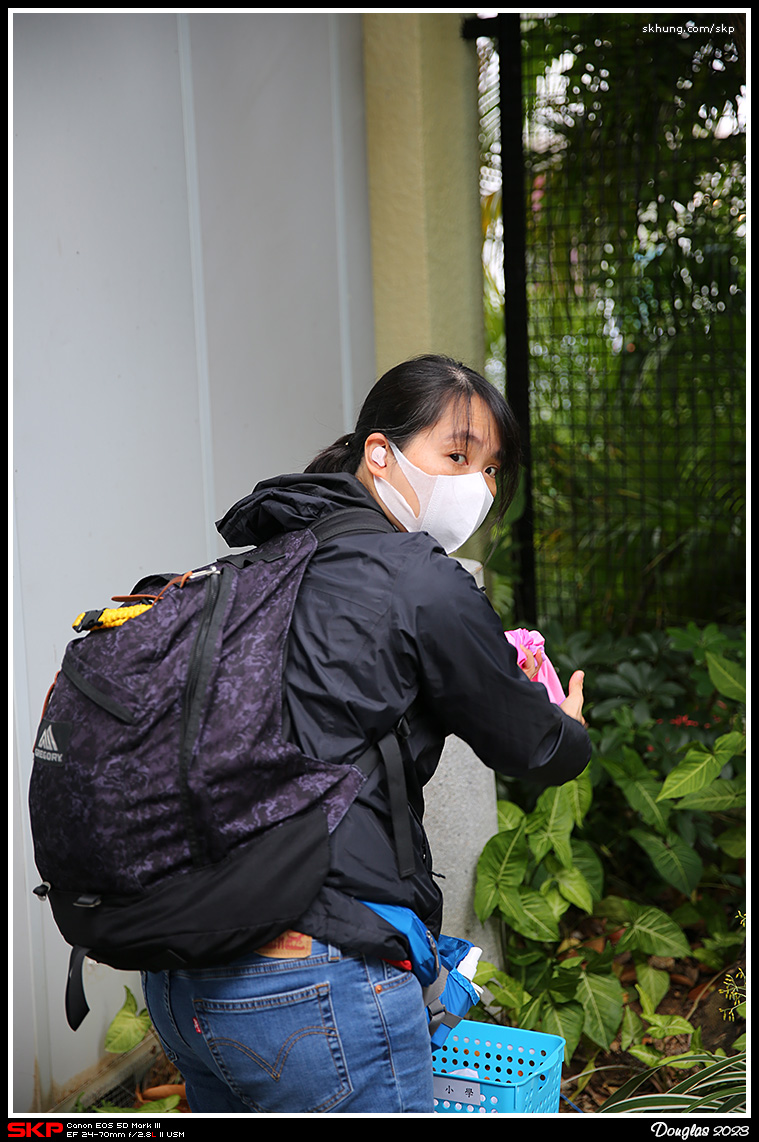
(90, 900)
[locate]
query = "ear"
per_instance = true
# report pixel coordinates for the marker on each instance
(376, 451)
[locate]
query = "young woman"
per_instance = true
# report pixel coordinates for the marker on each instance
(386, 627)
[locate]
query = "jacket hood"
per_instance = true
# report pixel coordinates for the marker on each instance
(290, 503)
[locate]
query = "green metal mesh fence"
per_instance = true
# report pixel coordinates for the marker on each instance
(634, 196)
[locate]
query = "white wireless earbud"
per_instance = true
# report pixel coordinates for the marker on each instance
(379, 456)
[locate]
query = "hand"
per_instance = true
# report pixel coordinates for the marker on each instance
(532, 664)
(572, 704)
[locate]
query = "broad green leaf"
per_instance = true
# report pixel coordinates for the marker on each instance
(586, 861)
(643, 795)
(574, 887)
(602, 999)
(729, 745)
(527, 912)
(128, 1027)
(653, 984)
(553, 898)
(699, 769)
(701, 766)
(617, 909)
(552, 813)
(565, 1020)
(674, 860)
(500, 870)
(530, 1014)
(632, 1028)
(727, 677)
(719, 797)
(661, 1026)
(651, 931)
(510, 816)
(550, 824)
(543, 843)
(647, 1055)
(580, 795)
(506, 991)
(733, 842)
(563, 984)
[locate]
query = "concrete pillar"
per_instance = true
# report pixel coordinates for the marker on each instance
(423, 160)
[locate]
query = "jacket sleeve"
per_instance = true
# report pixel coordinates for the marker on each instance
(472, 685)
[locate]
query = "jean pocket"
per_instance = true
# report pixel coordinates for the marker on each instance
(279, 1053)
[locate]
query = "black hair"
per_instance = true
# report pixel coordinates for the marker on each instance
(410, 398)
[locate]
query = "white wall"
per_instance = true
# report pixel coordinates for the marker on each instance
(192, 313)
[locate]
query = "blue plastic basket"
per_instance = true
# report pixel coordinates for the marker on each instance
(486, 1069)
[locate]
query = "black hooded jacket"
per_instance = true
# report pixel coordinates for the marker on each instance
(387, 624)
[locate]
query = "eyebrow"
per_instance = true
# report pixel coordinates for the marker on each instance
(468, 438)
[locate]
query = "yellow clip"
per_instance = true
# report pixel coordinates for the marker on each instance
(108, 617)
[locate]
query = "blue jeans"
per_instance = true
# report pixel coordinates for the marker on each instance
(327, 1033)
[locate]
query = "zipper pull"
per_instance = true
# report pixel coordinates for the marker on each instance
(204, 571)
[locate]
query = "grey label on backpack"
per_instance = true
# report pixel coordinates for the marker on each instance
(52, 742)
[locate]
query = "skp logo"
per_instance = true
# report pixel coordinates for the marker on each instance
(34, 1129)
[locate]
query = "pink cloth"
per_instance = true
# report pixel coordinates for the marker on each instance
(533, 641)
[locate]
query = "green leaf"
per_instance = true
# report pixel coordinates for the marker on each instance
(158, 1106)
(617, 909)
(506, 991)
(645, 1054)
(510, 816)
(500, 870)
(727, 677)
(632, 1028)
(643, 795)
(550, 824)
(653, 984)
(733, 842)
(530, 1015)
(662, 1026)
(586, 861)
(701, 766)
(553, 898)
(721, 796)
(128, 1027)
(562, 985)
(674, 860)
(602, 999)
(579, 794)
(652, 932)
(552, 812)
(574, 887)
(528, 913)
(565, 1020)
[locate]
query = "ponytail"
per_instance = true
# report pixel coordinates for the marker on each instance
(342, 456)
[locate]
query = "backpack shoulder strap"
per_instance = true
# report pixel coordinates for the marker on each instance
(348, 521)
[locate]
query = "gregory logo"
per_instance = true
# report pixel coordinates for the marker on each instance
(52, 740)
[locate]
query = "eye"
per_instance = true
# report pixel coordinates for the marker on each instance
(458, 457)
(492, 470)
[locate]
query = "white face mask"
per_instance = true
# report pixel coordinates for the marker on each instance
(451, 508)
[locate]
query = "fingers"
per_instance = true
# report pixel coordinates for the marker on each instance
(532, 664)
(573, 703)
(576, 682)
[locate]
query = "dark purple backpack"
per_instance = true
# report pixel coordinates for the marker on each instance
(174, 824)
